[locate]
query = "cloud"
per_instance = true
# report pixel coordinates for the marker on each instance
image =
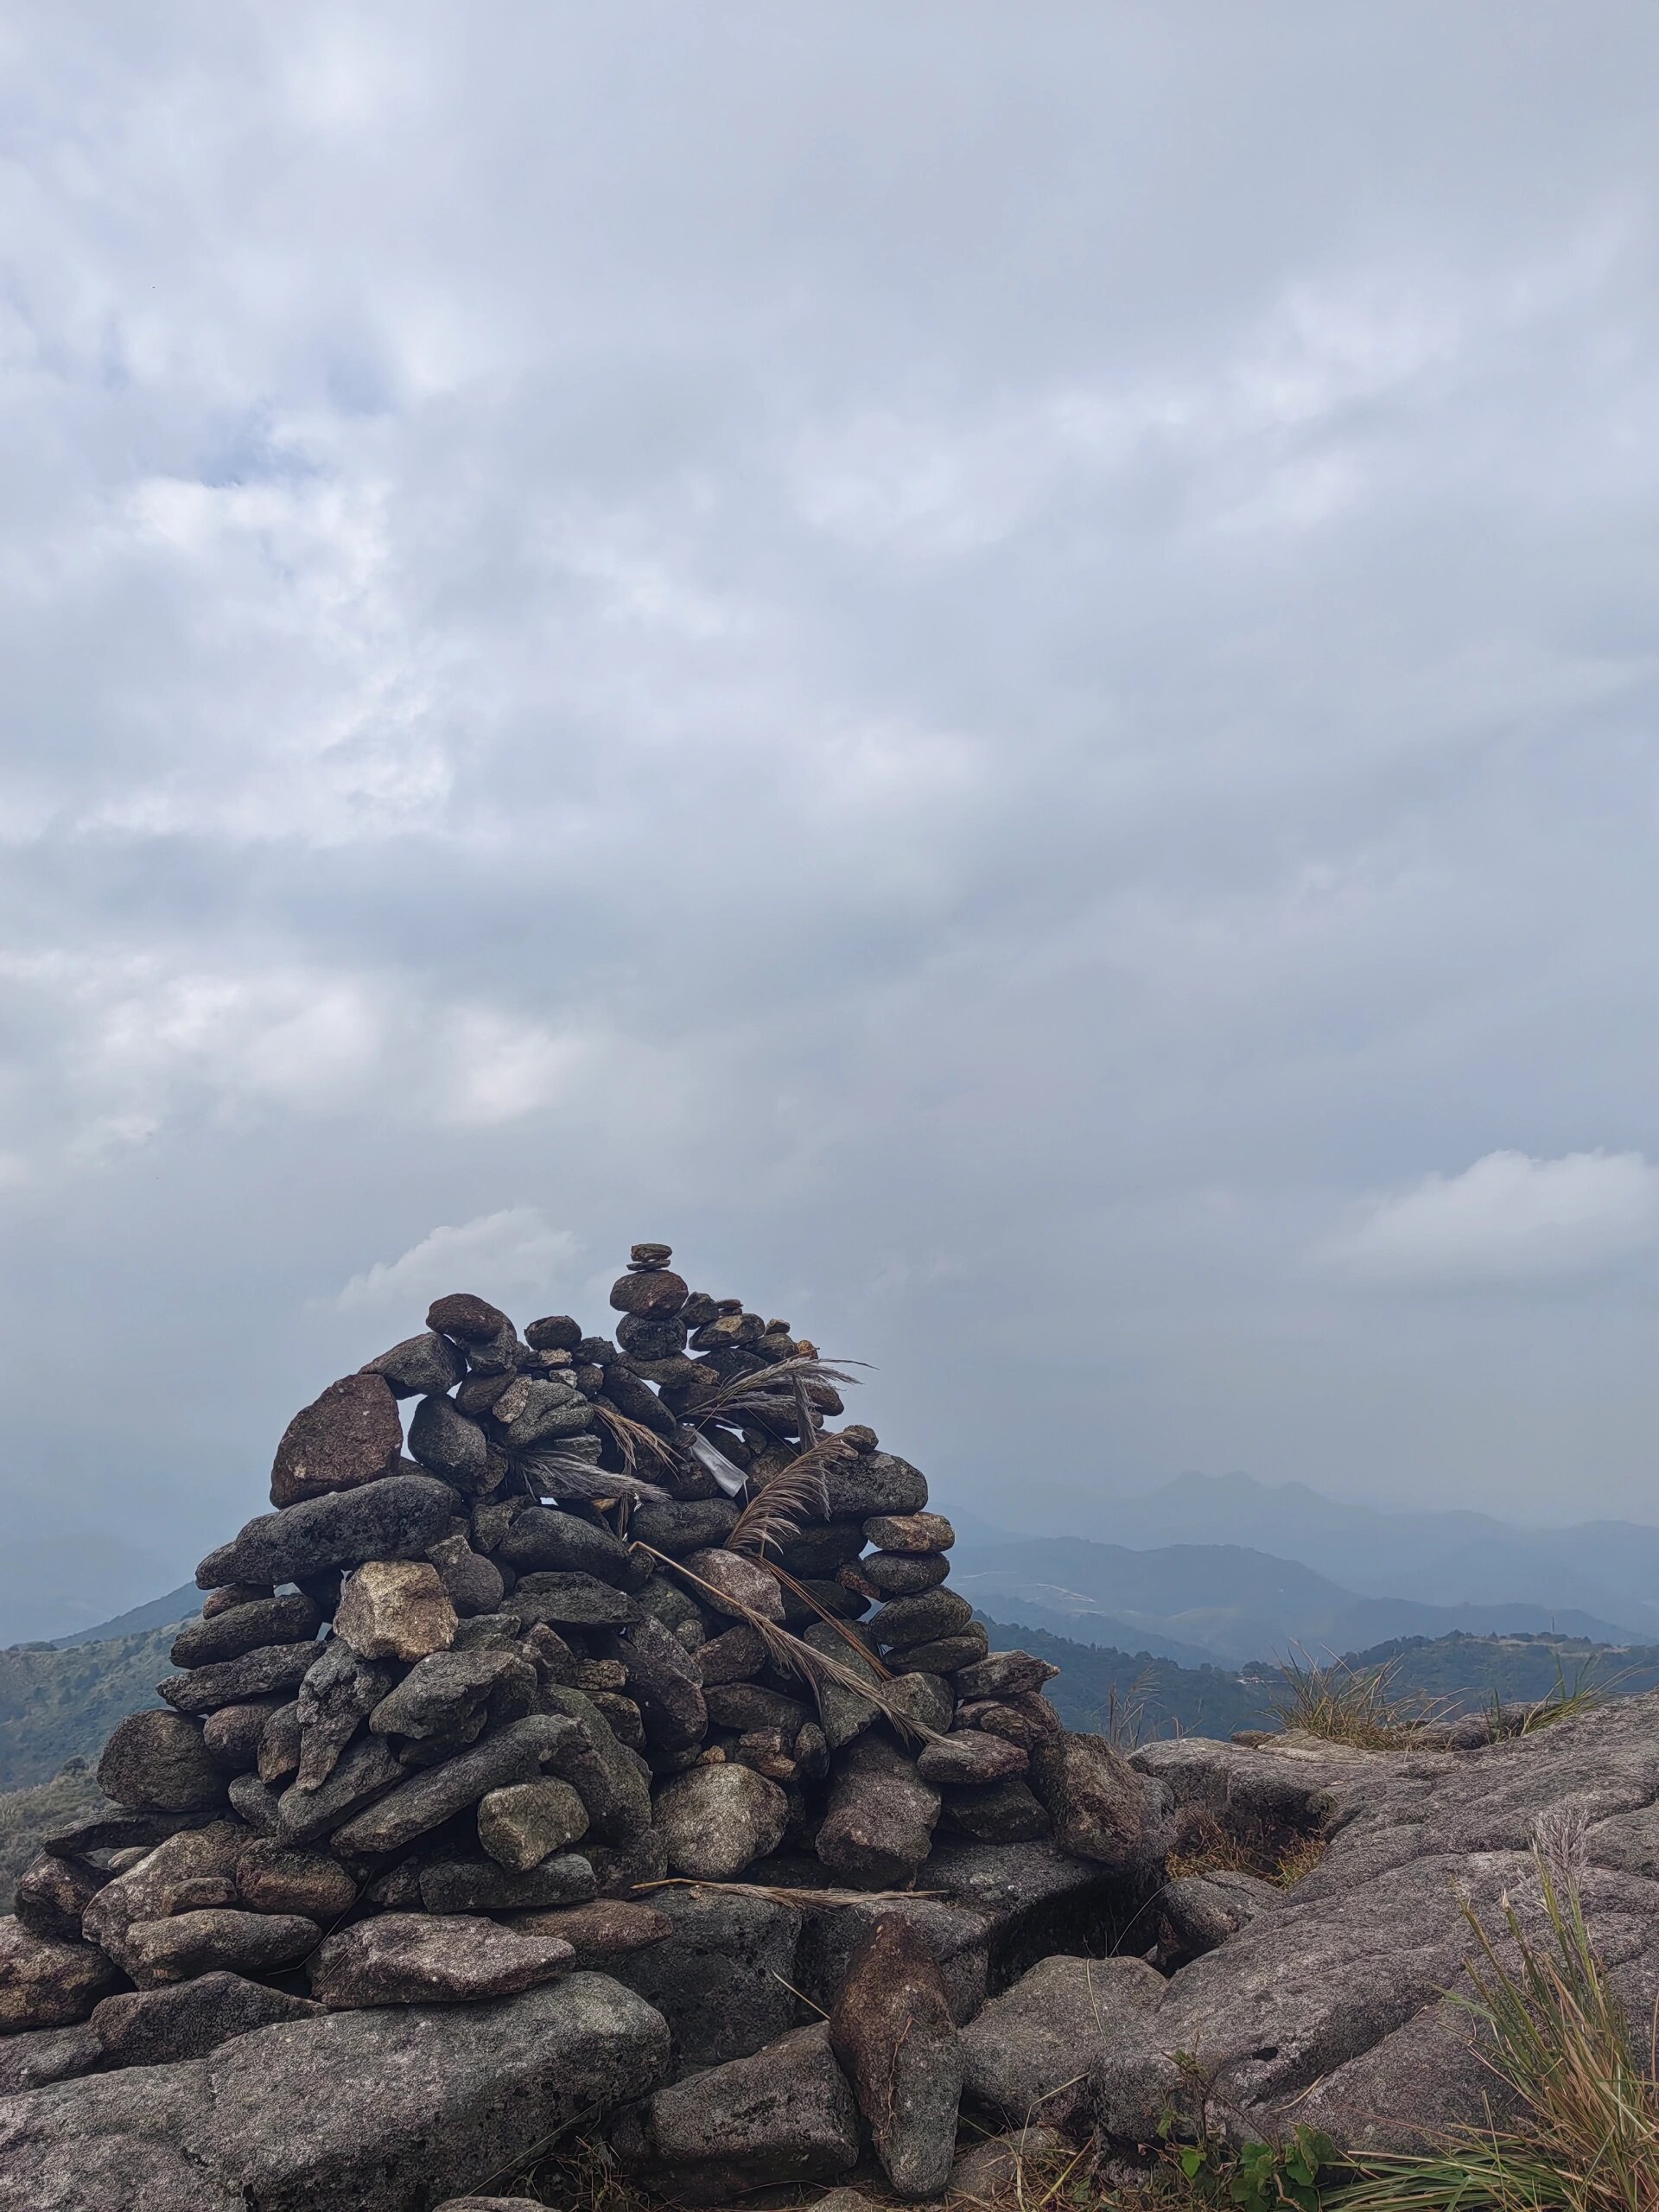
(512, 1253)
(1508, 1219)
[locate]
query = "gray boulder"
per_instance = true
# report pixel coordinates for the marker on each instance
(1029, 2055)
(416, 1958)
(786, 2114)
(187, 2019)
(156, 1762)
(724, 1979)
(396, 1517)
(46, 1983)
(1205, 1909)
(354, 2112)
(216, 1937)
(1100, 1808)
(879, 1827)
(717, 1819)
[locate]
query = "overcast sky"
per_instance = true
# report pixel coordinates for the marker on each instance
(994, 667)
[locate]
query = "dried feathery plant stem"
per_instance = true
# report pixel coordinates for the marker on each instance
(815, 1668)
(560, 1476)
(632, 1438)
(845, 1629)
(768, 1392)
(804, 1900)
(773, 1515)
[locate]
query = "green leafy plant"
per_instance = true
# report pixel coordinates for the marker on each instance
(1257, 2176)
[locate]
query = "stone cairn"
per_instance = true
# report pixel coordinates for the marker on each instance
(627, 1612)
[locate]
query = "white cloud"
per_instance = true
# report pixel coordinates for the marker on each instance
(1508, 1218)
(497, 1255)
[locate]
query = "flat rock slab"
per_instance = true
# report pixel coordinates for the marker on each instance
(357, 2112)
(1330, 2008)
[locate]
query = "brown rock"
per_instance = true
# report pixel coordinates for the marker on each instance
(968, 1755)
(737, 1655)
(292, 1619)
(215, 1938)
(273, 1876)
(609, 1927)
(910, 1533)
(732, 1584)
(53, 1894)
(46, 1983)
(521, 1824)
(415, 1958)
(655, 1294)
(474, 1321)
(157, 1763)
(350, 1435)
(554, 1332)
(396, 1609)
(892, 2029)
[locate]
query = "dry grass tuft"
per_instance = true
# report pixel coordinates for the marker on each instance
(1348, 1705)
(1275, 1854)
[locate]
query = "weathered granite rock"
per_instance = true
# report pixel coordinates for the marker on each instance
(366, 1771)
(785, 2115)
(187, 2019)
(400, 2108)
(348, 1436)
(121, 1831)
(52, 1894)
(1205, 1909)
(396, 1609)
(892, 2031)
(515, 1754)
(902, 1574)
(924, 1618)
(156, 1762)
(273, 1876)
(394, 1518)
(423, 1365)
(1101, 1808)
(665, 1680)
(291, 1619)
(677, 1526)
(414, 1958)
(272, 1669)
(715, 1820)
(192, 1872)
(998, 1812)
(1005, 1673)
(474, 1585)
(211, 1939)
(481, 1885)
(968, 1755)
(46, 1983)
(608, 1929)
(880, 1824)
(732, 1584)
(1029, 2054)
(569, 1599)
(876, 1485)
(916, 1535)
(441, 1437)
(41, 2055)
(522, 1823)
(440, 1694)
(725, 1979)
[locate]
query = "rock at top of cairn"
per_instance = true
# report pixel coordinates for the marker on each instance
(650, 1290)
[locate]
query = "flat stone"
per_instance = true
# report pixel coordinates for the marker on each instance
(879, 1827)
(607, 1928)
(515, 1754)
(575, 1601)
(191, 1943)
(192, 1872)
(943, 1654)
(650, 1294)
(786, 2114)
(921, 1620)
(187, 2019)
(348, 1436)
(272, 1877)
(1001, 1812)
(482, 1886)
(545, 1410)
(291, 1619)
(1005, 1673)
(892, 2030)
(524, 1822)
(114, 1831)
(156, 1762)
(1205, 1909)
(396, 1609)
(1029, 2055)
(45, 1982)
(415, 1958)
(751, 1705)
(543, 1538)
(274, 1670)
(399, 2109)
(970, 1756)
(443, 1439)
(443, 1692)
(914, 1534)
(737, 1655)
(715, 1820)
(394, 1518)
(664, 1682)
(901, 1574)
(677, 1526)
(842, 1713)
(427, 1365)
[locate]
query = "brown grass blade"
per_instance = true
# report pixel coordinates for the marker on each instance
(845, 1629)
(769, 1394)
(632, 1438)
(560, 1476)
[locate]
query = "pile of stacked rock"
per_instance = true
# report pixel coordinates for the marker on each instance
(625, 1611)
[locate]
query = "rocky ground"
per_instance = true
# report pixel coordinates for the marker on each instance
(769, 2033)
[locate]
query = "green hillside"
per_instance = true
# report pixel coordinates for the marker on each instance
(27, 1815)
(59, 1705)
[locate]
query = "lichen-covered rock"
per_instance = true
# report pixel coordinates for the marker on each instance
(396, 1609)
(715, 1820)
(522, 1823)
(891, 2029)
(1029, 2054)
(348, 1436)
(787, 2115)
(156, 1762)
(1100, 1808)
(46, 1983)
(413, 1958)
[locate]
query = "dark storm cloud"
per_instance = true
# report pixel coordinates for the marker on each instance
(996, 670)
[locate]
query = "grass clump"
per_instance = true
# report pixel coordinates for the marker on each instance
(1272, 1852)
(1348, 1705)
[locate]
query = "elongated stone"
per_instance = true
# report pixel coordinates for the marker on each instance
(394, 1518)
